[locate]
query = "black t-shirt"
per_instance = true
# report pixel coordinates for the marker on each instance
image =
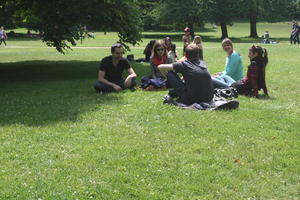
(198, 82)
(113, 73)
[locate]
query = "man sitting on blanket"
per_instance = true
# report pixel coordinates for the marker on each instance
(197, 85)
(111, 70)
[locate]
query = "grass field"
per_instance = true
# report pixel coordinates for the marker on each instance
(61, 140)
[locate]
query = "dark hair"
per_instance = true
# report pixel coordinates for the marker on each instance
(173, 47)
(192, 52)
(261, 52)
(116, 45)
(159, 43)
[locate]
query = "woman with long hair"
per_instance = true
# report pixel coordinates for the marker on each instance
(198, 41)
(159, 56)
(255, 79)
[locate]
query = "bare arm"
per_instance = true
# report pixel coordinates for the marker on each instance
(131, 75)
(165, 68)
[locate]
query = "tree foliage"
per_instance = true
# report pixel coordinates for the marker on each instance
(62, 22)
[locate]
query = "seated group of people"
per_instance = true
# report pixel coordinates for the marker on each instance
(197, 84)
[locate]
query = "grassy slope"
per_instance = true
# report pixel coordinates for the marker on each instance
(61, 140)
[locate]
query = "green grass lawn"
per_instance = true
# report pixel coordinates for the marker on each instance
(61, 140)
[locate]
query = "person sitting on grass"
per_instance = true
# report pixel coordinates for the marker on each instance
(197, 86)
(148, 50)
(168, 43)
(157, 81)
(172, 54)
(111, 70)
(159, 56)
(233, 70)
(198, 41)
(255, 79)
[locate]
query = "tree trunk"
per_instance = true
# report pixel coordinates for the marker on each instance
(253, 21)
(224, 30)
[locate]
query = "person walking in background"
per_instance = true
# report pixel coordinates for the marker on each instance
(297, 32)
(3, 36)
(186, 38)
(294, 33)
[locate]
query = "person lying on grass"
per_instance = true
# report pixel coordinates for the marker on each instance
(255, 79)
(197, 86)
(233, 70)
(111, 70)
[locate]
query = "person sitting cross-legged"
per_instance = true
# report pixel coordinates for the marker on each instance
(197, 85)
(256, 74)
(234, 67)
(111, 70)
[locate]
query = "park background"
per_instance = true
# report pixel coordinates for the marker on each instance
(61, 140)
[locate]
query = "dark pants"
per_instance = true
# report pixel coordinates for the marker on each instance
(294, 39)
(2, 40)
(102, 87)
(177, 87)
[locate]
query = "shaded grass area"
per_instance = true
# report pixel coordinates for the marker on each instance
(61, 140)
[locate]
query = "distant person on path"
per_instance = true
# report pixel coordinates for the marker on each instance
(197, 86)
(3, 36)
(233, 68)
(186, 38)
(111, 70)
(295, 33)
(255, 79)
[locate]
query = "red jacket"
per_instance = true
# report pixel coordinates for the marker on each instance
(255, 79)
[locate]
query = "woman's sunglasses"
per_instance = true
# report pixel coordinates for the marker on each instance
(161, 49)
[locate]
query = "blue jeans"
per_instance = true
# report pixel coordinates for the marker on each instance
(223, 81)
(102, 87)
(177, 86)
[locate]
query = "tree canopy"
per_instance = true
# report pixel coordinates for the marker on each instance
(63, 22)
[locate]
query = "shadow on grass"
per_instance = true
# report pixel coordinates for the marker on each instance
(178, 38)
(38, 93)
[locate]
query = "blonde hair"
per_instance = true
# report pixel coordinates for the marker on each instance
(198, 37)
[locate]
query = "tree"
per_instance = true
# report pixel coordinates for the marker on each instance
(63, 22)
(183, 12)
(222, 12)
(271, 11)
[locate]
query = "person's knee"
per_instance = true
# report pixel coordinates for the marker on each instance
(101, 87)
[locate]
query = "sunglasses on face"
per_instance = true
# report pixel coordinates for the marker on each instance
(161, 49)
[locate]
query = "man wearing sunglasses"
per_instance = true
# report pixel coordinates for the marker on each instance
(111, 70)
(197, 86)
